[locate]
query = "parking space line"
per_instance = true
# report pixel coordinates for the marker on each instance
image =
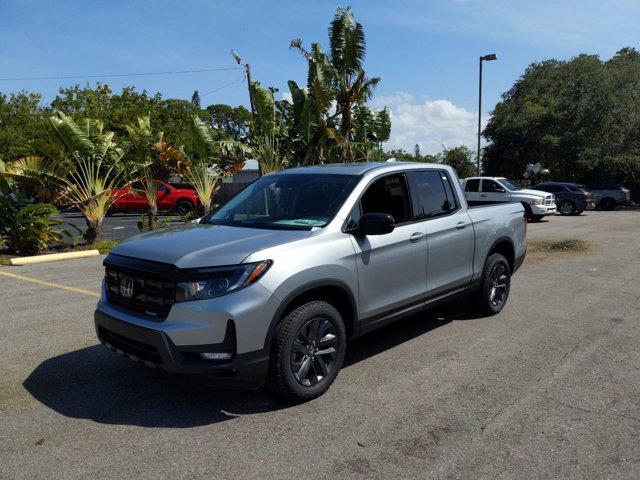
(50, 284)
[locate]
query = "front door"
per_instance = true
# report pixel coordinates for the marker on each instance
(392, 268)
(491, 191)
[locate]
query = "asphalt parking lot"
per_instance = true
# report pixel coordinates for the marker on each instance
(119, 226)
(550, 388)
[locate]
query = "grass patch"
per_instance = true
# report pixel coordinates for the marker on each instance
(566, 245)
(103, 246)
(4, 260)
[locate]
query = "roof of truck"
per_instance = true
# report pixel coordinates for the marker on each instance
(357, 168)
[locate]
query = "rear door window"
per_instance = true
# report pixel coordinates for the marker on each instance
(472, 185)
(430, 196)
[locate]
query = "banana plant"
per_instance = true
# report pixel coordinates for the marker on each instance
(87, 174)
(212, 160)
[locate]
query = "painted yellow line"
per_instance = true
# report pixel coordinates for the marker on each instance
(49, 284)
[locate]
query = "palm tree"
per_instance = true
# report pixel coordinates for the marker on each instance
(340, 78)
(350, 84)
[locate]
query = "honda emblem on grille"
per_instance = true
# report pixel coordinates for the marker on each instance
(126, 287)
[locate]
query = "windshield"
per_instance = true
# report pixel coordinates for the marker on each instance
(287, 202)
(510, 185)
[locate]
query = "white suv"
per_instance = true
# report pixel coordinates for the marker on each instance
(479, 190)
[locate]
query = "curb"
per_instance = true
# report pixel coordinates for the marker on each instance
(53, 257)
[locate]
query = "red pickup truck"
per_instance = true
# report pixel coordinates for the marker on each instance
(131, 198)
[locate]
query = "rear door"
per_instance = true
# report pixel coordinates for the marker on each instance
(450, 237)
(392, 268)
(472, 190)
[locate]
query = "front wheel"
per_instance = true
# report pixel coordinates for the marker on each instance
(492, 295)
(307, 351)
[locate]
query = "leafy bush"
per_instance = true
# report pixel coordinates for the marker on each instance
(27, 228)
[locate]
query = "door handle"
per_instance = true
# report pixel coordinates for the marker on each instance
(416, 236)
(483, 196)
(461, 225)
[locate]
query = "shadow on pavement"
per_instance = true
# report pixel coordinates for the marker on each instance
(95, 384)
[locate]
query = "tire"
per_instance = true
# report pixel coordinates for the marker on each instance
(297, 369)
(528, 213)
(184, 206)
(496, 281)
(608, 204)
(567, 207)
(536, 218)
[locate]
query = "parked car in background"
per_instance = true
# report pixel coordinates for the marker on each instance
(608, 197)
(131, 198)
(481, 190)
(571, 199)
(270, 287)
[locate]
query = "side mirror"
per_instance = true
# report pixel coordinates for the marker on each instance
(375, 224)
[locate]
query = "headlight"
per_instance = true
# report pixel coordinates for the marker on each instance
(218, 281)
(537, 201)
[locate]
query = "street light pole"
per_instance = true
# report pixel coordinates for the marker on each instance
(487, 58)
(248, 70)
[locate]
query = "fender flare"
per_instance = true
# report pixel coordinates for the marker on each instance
(284, 304)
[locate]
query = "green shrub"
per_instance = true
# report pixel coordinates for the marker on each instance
(27, 229)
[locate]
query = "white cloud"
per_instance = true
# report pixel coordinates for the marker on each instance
(431, 124)
(287, 96)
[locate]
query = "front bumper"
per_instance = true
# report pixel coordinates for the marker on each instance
(543, 209)
(153, 348)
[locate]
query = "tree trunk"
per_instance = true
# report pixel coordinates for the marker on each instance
(93, 230)
(346, 127)
(152, 214)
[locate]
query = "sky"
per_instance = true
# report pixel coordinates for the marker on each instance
(426, 52)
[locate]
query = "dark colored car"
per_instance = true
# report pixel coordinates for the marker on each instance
(571, 199)
(608, 197)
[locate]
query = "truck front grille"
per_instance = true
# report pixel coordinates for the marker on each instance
(141, 292)
(548, 200)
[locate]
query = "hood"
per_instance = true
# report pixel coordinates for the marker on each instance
(199, 245)
(526, 191)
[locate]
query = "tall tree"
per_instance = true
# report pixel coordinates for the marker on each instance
(195, 98)
(579, 118)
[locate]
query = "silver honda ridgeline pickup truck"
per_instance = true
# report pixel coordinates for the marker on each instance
(269, 288)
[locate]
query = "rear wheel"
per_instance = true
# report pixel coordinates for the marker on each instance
(184, 206)
(492, 296)
(608, 204)
(307, 351)
(567, 207)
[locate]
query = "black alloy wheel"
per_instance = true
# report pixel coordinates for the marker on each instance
(499, 290)
(314, 353)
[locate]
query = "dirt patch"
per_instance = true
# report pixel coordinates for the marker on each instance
(565, 245)
(547, 249)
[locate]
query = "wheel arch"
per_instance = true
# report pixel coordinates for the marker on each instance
(505, 247)
(335, 292)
